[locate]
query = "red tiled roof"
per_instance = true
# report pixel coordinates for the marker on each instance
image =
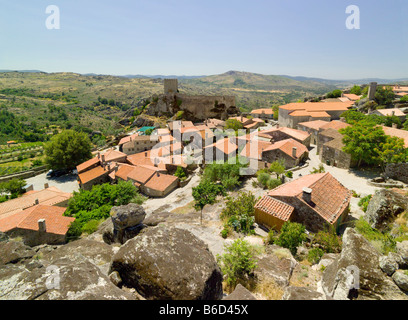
(257, 146)
(160, 182)
(263, 111)
(319, 114)
(55, 222)
(287, 146)
(318, 106)
(114, 155)
(275, 207)
(336, 125)
(294, 133)
(351, 96)
(329, 197)
(389, 112)
(87, 164)
(393, 132)
(226, 145)
(315, 124)
(128, 138)
(91, 174)
(49, 196)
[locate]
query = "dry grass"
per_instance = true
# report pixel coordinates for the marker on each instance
(188, 208)
(267, 289)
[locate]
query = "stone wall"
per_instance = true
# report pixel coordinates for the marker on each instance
(194, 108)
(397, 171)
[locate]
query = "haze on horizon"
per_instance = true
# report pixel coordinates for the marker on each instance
(194, 38)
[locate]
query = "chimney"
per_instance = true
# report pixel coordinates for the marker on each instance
(103, 159)
(392, 113)
(46, 185)
(277, 126)
(146, 154)
(158, 174)
(307, 195)
(99, 155)
(294, 150)
(42, 226)
(242, 118)
(116, 168)
(37, 202)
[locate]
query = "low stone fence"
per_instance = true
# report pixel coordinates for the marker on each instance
(182, 184)
(24, 174)
(397, 171)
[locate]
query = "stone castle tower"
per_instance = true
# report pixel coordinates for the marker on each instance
(170, 86)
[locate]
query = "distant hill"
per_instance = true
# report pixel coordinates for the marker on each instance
(346, 83)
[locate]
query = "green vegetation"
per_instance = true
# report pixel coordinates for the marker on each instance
(356, 90)
(228, 174)
(319, 169)
(239, 212)
(233, 124)
(238, 262)
(91, 207)
(315, 255)
(404, 99)
(291, 236)
(67, 150)
(206, 193)
(180, 173)
(334, 94)
(384, 96)
(367, 143)
(363, 203)
(383, 242)
(328, 240)
(15, 187)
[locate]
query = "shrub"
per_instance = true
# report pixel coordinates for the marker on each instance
(291, 236)
(328, 241)
(91, 226)
(363, 203)
(383, 242)
(239, 212)
(238, 262)
(315, 255)
(289, 174)
(180, 173)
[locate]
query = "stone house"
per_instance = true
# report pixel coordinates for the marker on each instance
(391, 112)
(316, 201)
(264, 114)
(290, 115)
(94, 176)
(315, 127)
(330, 149)
(290, 151)
(160, 185)
(40, 224)
(140, 143)
(279, 134)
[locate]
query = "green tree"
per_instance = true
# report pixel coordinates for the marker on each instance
(356, 90)
(239, 212)
(384, 96)
(206, 193)
(353, 116)
(67, 150)
(278, 168)
(392, 151)
(180, 173)
(361, 141)
(291, 236)
(238, 262)
(15, 187)
(233, 124)
(334, 94)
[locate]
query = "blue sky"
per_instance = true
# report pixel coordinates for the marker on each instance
(197, 37)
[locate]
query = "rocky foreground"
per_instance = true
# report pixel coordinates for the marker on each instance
(132, 257)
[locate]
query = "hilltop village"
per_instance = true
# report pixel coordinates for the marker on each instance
(309, 190)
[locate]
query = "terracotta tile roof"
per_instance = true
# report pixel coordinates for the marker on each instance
(243, 120)
(141, 174)
(257, 146)
(128, 138)
(145, 159)
(55, 222)
(268, 111)
(179, 124)
(91, 174)
(336, 125)
(318, 106)
(389, 112)
(160, 182)
(393, 132)
(332, 133)
(226, 145)
(351, 96)
(329, 197)
(294, 133)
(319, 114)
(315, 124)
(275, 207)
(87, 164)
(114, 155)
(287, 146)
(49, 196)
(258, 120)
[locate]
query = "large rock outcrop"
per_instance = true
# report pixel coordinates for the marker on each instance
(356, 274)
(167, 263)
(14, 251)
(301, 293)
(125, 223)
(383, 208)
(240, 293)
